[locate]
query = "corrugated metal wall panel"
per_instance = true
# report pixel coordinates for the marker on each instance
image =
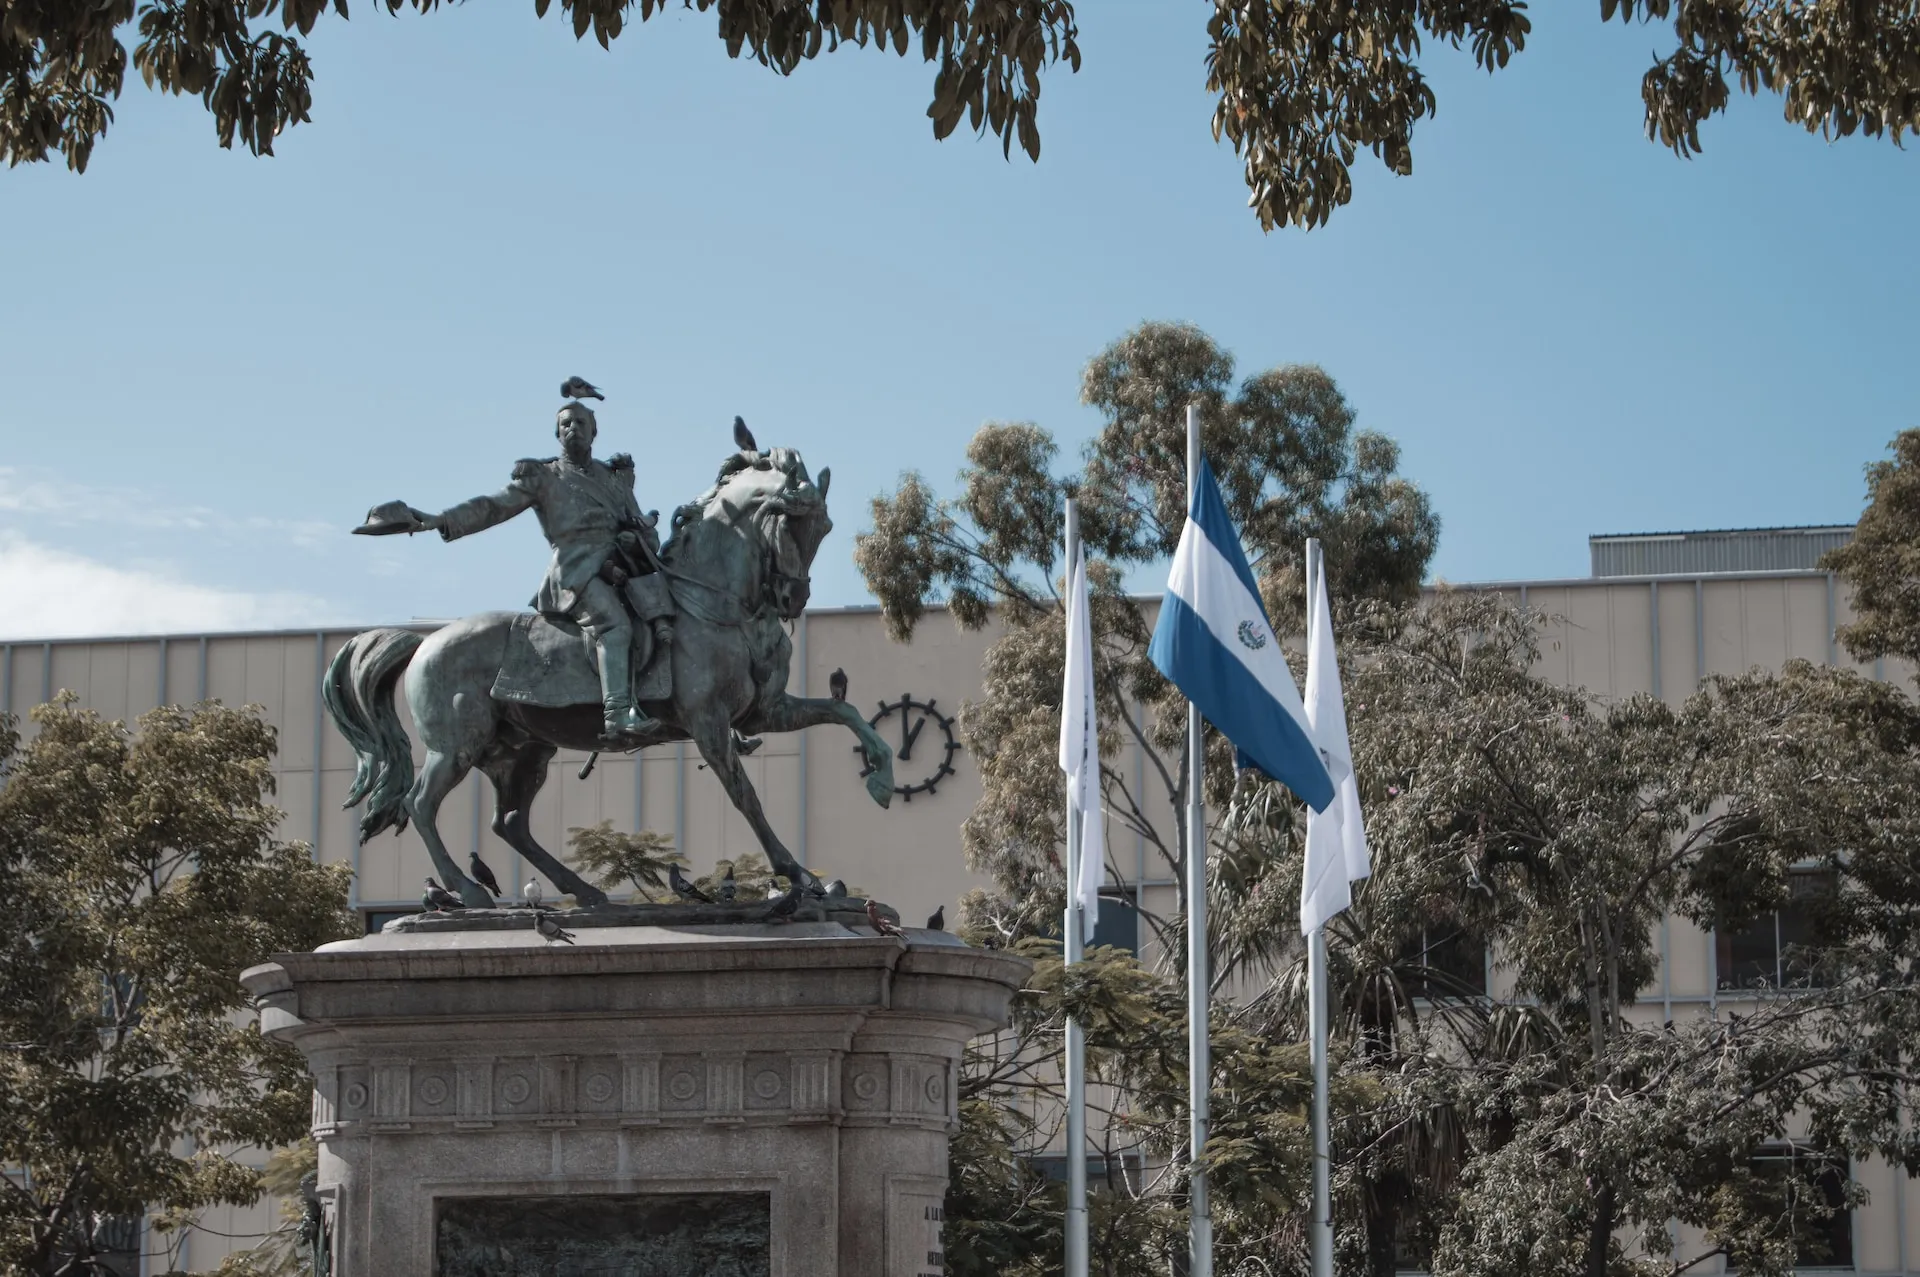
(1692, 553)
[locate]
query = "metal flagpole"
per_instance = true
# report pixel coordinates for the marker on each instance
(1321, 1231)
(1075, 950)
(1199, 1056)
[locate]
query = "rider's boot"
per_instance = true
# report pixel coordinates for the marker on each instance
(622, 716)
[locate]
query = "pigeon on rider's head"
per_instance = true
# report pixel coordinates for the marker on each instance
(727, 886)
(684, 889)
(437, 898)
(880, 922)
(580, 388)
(743, 437)
(837, 685)
(478, 871)
(534, 893)
(938, 922)
(550, 929)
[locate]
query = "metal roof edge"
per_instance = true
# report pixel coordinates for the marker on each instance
(1717, 532)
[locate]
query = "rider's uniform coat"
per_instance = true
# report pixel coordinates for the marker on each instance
(581, 509)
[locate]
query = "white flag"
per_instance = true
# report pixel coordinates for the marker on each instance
(1080, 749)
(1336, 837)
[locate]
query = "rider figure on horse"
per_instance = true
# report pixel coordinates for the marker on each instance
(587, 510)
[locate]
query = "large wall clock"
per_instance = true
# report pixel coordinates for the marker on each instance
(922, 738)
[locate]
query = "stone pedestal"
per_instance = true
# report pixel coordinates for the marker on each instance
(756, 1099)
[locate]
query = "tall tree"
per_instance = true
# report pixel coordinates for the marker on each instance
(1882, 562)
(142, 873)
(1290, 464)
(1302, 87)
(1510, 817)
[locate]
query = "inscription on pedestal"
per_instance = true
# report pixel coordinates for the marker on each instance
(916, 1218)
(646, 1235)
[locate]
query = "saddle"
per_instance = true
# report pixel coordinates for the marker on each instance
(550, 662)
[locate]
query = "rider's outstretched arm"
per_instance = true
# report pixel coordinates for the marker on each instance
(481, 513)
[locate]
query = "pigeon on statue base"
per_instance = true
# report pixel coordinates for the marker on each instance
(684, 889)
(728, 887)
(786, 906)
(478, 871)
(879, 921)
(550, 929)
(437, 899)
(938, 922)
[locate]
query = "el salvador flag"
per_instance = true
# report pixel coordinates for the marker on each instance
(1214, 642)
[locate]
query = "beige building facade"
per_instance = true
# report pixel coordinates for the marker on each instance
(1662, 612)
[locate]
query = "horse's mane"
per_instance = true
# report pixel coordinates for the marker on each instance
(785, 460)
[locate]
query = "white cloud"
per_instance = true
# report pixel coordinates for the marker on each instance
(51, 500)
(51, 593)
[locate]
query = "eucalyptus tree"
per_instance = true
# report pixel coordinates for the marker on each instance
(1290, 464)
(1881, 565)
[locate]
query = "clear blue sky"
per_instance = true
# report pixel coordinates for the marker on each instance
(211, 365)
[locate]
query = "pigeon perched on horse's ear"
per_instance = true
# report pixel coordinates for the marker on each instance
(580, 388)
(743, 437)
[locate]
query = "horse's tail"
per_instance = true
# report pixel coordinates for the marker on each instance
(358, 692)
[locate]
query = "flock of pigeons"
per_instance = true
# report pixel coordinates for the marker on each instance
(437, 899)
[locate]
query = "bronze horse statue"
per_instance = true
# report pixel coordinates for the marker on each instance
(737, 564)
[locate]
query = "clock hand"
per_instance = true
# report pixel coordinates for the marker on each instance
(908, 737)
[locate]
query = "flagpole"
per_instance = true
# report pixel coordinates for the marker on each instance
(1199, 1055)
(1076, 1224)
(1321, 1229)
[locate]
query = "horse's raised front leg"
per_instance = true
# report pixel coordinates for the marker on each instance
(517, 775)
(792, 713)
(715, 741)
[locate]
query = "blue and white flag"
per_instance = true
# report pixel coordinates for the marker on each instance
(1214, 642)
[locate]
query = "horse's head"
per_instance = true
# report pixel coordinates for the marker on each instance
(772, 498)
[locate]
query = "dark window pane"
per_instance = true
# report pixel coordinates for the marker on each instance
(1749, 957)
(1445, 962)
(1799, 944)
(379, 918)
(1813, 1191)
(1778, 950)
(1118, 925)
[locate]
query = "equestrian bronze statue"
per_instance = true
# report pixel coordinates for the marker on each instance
(631, 643)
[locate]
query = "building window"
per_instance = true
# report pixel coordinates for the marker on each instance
(113, 1242)
(1117, 926)
(379, 918)
(1053, 1166)
(1812, 1188)
(1445, 962)
(1777, 950)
